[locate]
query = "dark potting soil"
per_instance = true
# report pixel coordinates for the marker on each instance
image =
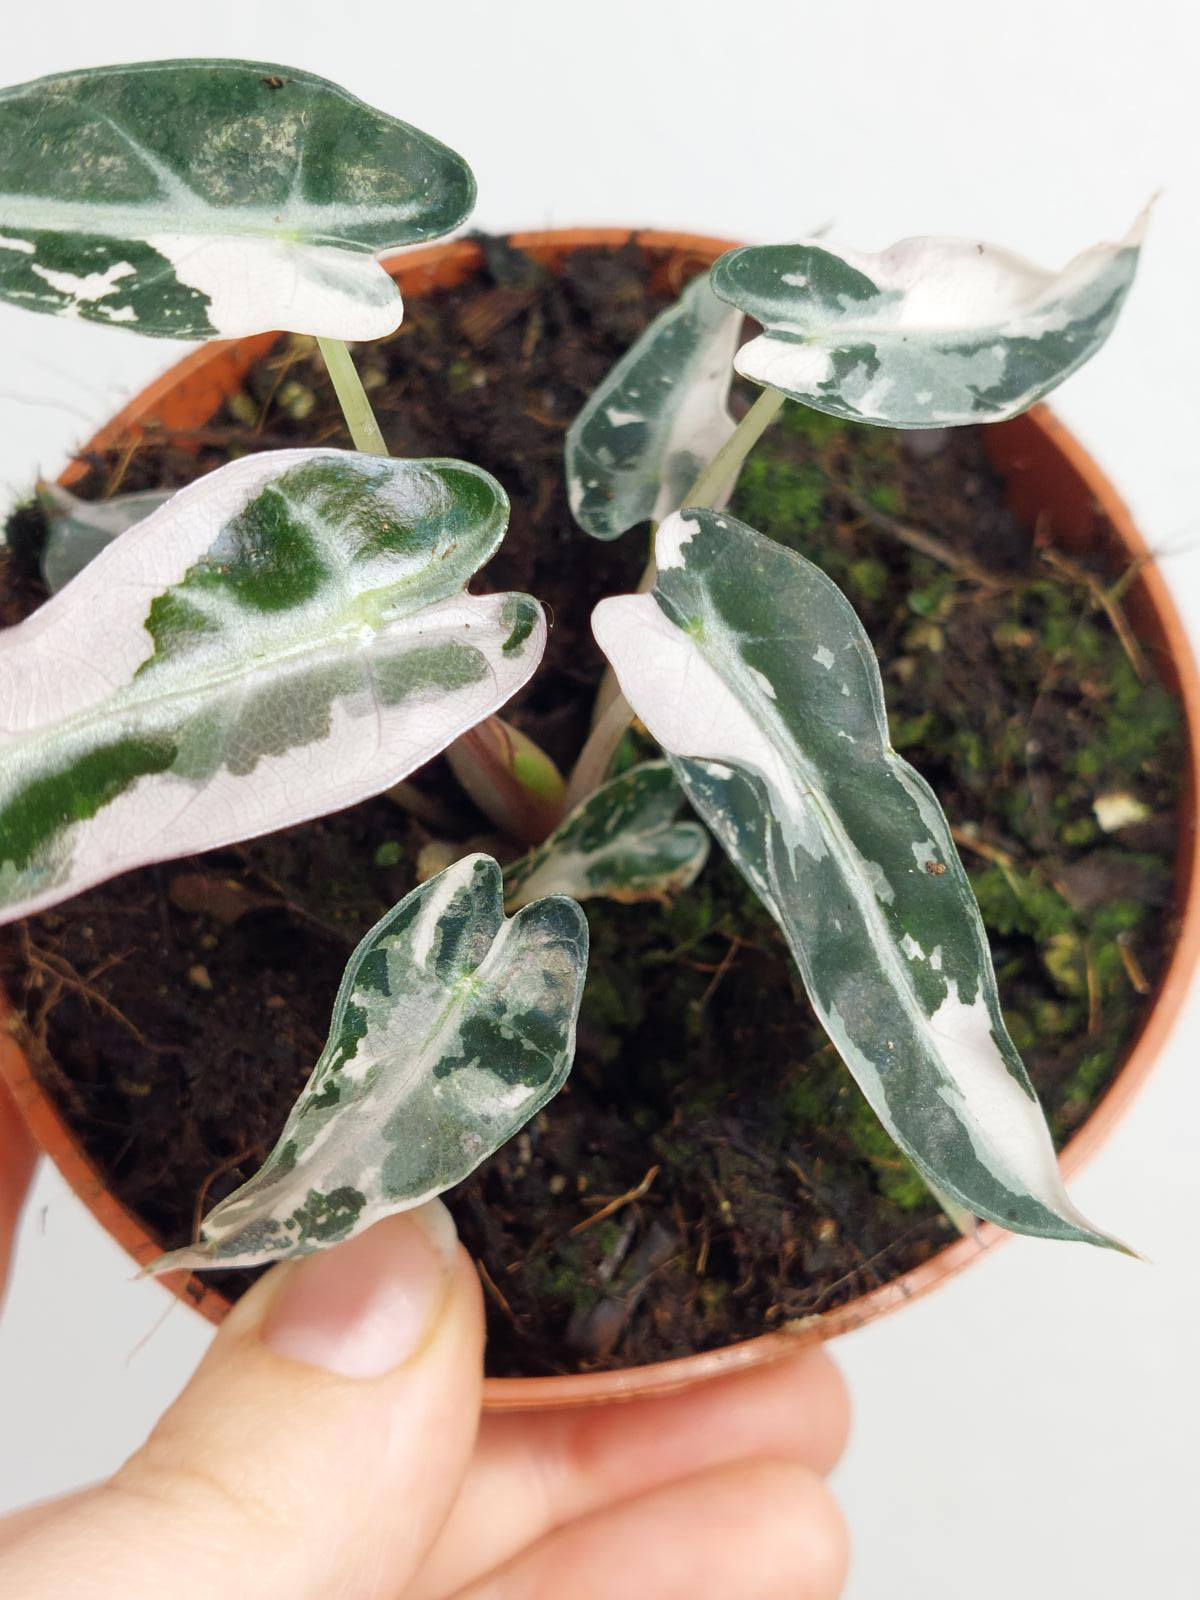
(710, 1171)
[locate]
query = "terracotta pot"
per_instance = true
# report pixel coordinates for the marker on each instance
(1050, 478)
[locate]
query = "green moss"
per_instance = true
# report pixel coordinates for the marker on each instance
(868, 577)
(1080, 831)
(1142, 718)
(905, 731)
(1055, 1018)
(817, 427)
(1117, 916)
(806, 1099)
(1020, 1030)
(895, 1175)
(1092, 1074)
(1088, 763)
(611, 1005)
(1016, 901)
(1065, 959)
(561, 1277)
(935, 599)
(788, 498)
(691, 916)
(888, 498)
(461, 376)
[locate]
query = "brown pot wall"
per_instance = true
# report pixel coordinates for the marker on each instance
(1050, 477)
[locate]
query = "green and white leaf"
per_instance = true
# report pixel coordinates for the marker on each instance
(192, 199)
(286, 636)
(451, 1029)
(623, 843)
(661, 415)
(929, 333)
(750, 668)
(77, 530)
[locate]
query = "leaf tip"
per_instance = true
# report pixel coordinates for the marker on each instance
(190, 1258)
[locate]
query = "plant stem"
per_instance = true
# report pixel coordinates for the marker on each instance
(592, 767)
(352, 397)
(721, 472)
(964, 1221)
(613, 713)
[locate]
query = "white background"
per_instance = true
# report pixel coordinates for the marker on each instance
(1031, 1428)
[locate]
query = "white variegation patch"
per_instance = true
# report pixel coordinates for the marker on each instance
(623, 842)
(189, 199)
(929, 333)
(330, 293)
(660, 416)
(283, 638)
(451, 1029)
(847, 847)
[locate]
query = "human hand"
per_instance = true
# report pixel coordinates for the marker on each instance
(330, 1445)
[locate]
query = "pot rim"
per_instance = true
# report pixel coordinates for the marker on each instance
(199, 383)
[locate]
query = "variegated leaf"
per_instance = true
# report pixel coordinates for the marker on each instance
(930, 333)
(749, 666)
(623, 843)
(186, 199)
(451, 1029)
(657, 419)
(77, 530)
(283, 638)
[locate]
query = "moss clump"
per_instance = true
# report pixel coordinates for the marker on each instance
(867, 577)
(774, 491)
(1017, 900)
(887, 497)
(1085, 1085)
(898, 1179)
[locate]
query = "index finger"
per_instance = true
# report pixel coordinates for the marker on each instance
(17, 1156)
(534, 1474)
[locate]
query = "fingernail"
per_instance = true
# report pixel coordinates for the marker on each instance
(366, 1307)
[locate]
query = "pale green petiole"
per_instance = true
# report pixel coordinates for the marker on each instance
(717, 478)
(722, 471)
(352, 397)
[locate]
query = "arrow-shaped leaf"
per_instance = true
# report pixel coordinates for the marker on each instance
(451, 1029)
(659, 417)
(186, 199)
(285, 637)
(623, 843)
(77, 530)
(749, 666)
(929, 333)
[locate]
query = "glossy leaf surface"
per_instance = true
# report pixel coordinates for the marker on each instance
(451, 1029)
(623, 842)
(927, 334)
(749, 666)
(659, 416)
(283, 638)
(192, 199)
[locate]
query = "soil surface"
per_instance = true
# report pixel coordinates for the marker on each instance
(710, 1171)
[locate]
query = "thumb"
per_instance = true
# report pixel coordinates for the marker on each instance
(316, 1451)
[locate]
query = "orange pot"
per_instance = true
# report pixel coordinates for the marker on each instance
(1050, 477)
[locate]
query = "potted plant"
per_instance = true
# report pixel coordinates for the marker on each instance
(291, 633)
